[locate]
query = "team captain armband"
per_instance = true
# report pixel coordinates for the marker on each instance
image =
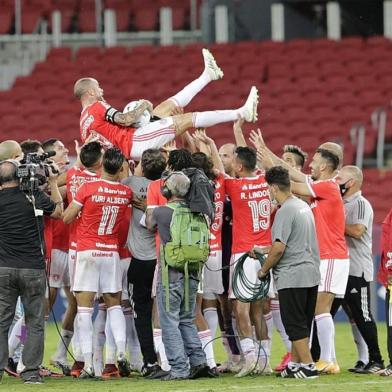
(110, 113)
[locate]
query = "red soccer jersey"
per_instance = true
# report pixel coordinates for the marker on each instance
(329, 217)
(386, 250)
(123, 234)
(154, 195)
(60, 233)
(155, 199)
(48, 235)
(96, 118)
(251, 206)
(75, 179)
(104, 204)
(216, 227)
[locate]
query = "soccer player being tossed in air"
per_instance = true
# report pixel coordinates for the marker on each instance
(103, 205)
(115, 128)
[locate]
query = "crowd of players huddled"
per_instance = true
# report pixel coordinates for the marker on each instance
(105, 251)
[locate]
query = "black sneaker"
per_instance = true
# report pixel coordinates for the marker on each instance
(387, 372)
(171, 377)
(10, 369)
(305, 372)
(153, 372)
(287, 373)
(371, 368)
(123, 366)
(34, 379)
(358, 365)
(200, 371)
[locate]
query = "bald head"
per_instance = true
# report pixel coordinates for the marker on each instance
(226, 153)
(351, 172)
(335, 149)
(10, 149)
(82, 86)
(350, 179)
(8, 173)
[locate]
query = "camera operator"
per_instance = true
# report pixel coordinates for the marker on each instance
(22, 266)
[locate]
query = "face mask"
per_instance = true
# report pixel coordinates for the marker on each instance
(343, 188)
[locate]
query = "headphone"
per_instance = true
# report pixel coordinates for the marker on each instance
(165, 191)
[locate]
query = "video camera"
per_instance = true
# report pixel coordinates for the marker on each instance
(33, 170)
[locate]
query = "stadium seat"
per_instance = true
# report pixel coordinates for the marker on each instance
(6, 20)
(145, 18)
(30, 20)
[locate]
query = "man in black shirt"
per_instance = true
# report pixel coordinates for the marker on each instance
(22, 266)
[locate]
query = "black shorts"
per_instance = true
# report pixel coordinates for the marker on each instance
(297, 306)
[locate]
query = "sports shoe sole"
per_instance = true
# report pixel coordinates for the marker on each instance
(211, 66)
(251, 105)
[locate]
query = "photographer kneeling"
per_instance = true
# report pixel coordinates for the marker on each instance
(22, 266)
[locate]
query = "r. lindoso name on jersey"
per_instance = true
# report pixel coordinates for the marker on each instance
(254, 191)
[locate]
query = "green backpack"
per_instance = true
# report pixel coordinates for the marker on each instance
(188, 249)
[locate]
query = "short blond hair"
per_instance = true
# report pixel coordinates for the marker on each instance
(81, 86)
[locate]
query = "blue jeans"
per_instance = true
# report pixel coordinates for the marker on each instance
(179, 333)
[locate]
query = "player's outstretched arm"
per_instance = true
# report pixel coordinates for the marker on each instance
(238, 134)
(216, 160)
(270, 159)
(129, 118)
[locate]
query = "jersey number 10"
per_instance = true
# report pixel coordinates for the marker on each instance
(108, 220)
(261, 211)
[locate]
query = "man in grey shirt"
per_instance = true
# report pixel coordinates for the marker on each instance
(295, 261)
(141, 243)
(358, 233)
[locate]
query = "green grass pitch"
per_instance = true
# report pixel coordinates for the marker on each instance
(345, 381)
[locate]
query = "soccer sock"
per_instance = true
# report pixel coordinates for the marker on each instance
(85, 324)
(208, 119)
(248, 348)
(325, 333)
(16, 337)
(160, 349)
(117, 325)
(135, 355)
(111, 349)
(75, 342)
(265, 347)
(362, 348)
(62, 347)
(277, 319)
(99, 338)
(211, 317)
(208, 348)
(186, 95)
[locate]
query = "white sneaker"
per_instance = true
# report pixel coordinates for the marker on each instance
(20, 367)
(265, 367)
(87, 372)
(249, 110)
(250, 366)
(210, 66)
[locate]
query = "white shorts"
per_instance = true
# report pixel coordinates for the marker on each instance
(124, 264)
(153, 135)
(212, 276)
(98, 271)
(251, 268)
(272, 291)
(71, 266)
(59, 271)
(334, 276)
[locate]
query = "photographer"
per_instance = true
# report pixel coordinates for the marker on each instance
(22, 266)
